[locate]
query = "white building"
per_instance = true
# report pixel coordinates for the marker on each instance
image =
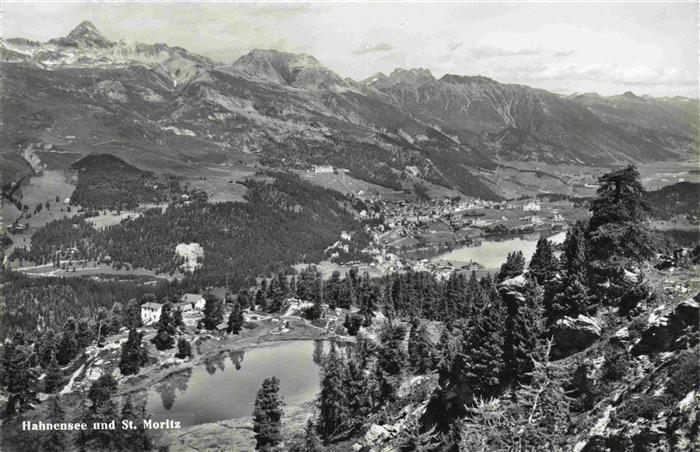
(531, 207)
(150, 312)
(195, 299)
(323, 169)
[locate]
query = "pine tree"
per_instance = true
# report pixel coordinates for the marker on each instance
(132, 314)
(368, 299)
(332, 401)
(166, 328)
(412, 439)
(184, 349)
(331, 290)
(46, 348)
(537, 419)
(116, 317)
(178, 321)
(620, 198)
(482, 350)
(213, 311)
(276, 294)
(312, 443)
(243, 298)
(68, 346)
(261, 299)
(571, 296)
(512, 267)
(309, 442)
(421, 352)
(134, 355)
(477, 366)
(83, 334)
(103, 409)
(575, 252)
(314, 312)
(101, 326)
(524, 327)
(352, 323)
(544, 264)
(54, 440)
(448, 347)
(392, 357)
(573, 299)
(18, 376)
(235, 320)
(357, 394)
(346, 297)
(54, 376)
(134, 439)
(267, 415)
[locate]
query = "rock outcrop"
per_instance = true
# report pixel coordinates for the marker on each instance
(574, 334)
(670, 330)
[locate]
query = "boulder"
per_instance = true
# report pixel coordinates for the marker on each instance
(511, 289)
(377, 434)
(573, 334)
(669, 331)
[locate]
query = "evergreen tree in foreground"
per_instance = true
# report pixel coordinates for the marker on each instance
(524, 326)
(421, 352)
(332, 402)
(310, 441)
(213, 311)
(132, 314)
(103, 409)
(235, 320)
(54, 440)
(267, 415)
(67, 347)
(53, 378)
(512, 267)
(570, 296)
(134, 355)
(134, 439)
(166, 328)
(184, 349)
(536, 420)
(18, 376)
(544, 264)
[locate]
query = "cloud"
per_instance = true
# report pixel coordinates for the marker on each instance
(637, 75)
(280, 11)
(495, 52)
(376, 48)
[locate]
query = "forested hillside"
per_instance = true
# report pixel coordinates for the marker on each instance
(108, 182)
(284, 221)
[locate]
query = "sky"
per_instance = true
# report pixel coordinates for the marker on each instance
(609, 48)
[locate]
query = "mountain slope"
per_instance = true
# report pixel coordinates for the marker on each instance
(167, 109)
(538, 125)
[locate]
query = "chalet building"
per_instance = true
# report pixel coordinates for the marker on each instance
(194, 299)
(184, 306)
(531, 207)
(150, 312)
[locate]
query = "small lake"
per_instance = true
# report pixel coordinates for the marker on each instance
(225, 387)
(491, 254)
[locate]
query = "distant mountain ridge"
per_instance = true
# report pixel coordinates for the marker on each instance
(167, 106)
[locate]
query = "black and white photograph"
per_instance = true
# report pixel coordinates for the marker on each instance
(372, 226)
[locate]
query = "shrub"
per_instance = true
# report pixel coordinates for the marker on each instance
(683, 376)
(647, 407)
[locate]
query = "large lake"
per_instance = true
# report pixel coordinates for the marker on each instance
(491, 254)
(225, 387)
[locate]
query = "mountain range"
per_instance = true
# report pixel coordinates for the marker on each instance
(163, 107)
